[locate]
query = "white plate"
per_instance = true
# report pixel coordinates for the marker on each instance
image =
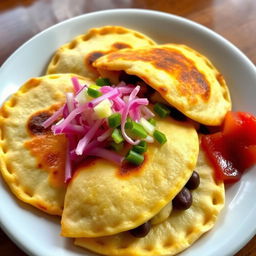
(37, 233)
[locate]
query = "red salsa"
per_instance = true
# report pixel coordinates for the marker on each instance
(233, 150)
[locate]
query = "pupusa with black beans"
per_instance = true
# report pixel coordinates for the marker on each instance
(135, 180)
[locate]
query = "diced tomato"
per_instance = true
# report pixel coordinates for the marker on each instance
(218, 153)
(233, 150)
(240, 125)
(248, 157)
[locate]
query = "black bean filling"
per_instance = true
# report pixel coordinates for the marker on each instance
(182, 201)
(194, 181)
(141, 230)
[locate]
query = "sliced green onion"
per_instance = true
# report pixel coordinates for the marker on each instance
(161, 109)
(93, 92)
(147, 126)
(102, 81)
(117, 146)
(138, 130)
(152, 121)
(141, 147)
(134, 157)
(160, 137)
(114, 120)
(94, 86)
(128, 124)
(117, 136)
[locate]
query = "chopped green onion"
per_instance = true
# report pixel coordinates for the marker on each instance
(117, 136)
(160, 137)
(128, 124)
(93, 92)
(147, 126)
(152, 121)
(102, 81)
(161, 109)
(114, 120)
(134, 157)
(94, 86)
(138, 130)
(117, 147)
(141, 147)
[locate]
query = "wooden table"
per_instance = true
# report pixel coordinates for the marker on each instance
(21, 19)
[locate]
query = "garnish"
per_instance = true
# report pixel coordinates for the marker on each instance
(134, 158)
(137, 130)
(117, 136)
(102, 81)
(141, 147)
(161, 110)
(159, 136)
(98, 120)
(94, 93)
(114, 120)
(233, 150)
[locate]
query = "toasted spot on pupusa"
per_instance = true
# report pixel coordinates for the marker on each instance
(175, 234)
(104, 199)
(78, 55)
(185, 79)
(32, 159)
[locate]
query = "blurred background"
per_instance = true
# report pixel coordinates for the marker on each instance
(22, 19)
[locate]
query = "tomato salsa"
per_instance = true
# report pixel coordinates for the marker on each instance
(233, 150)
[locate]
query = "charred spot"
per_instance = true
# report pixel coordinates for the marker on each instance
(93, 56)
(199, 78)
(55, 173)
(119, 46)
(49, 152)
(220, 79)
(52, 159)
(35, 122)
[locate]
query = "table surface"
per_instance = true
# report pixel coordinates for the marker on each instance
(233, 19)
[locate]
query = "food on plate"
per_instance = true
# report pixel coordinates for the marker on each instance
(116, 152)
(123, 197)
(178, 231)
(232, 150)
(78, 55)
(184, 78)
(32, 159)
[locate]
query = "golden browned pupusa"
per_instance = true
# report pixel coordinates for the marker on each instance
(178, 231)
(185, 79)
(121, 201)
(78, 55)
(31, 158)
